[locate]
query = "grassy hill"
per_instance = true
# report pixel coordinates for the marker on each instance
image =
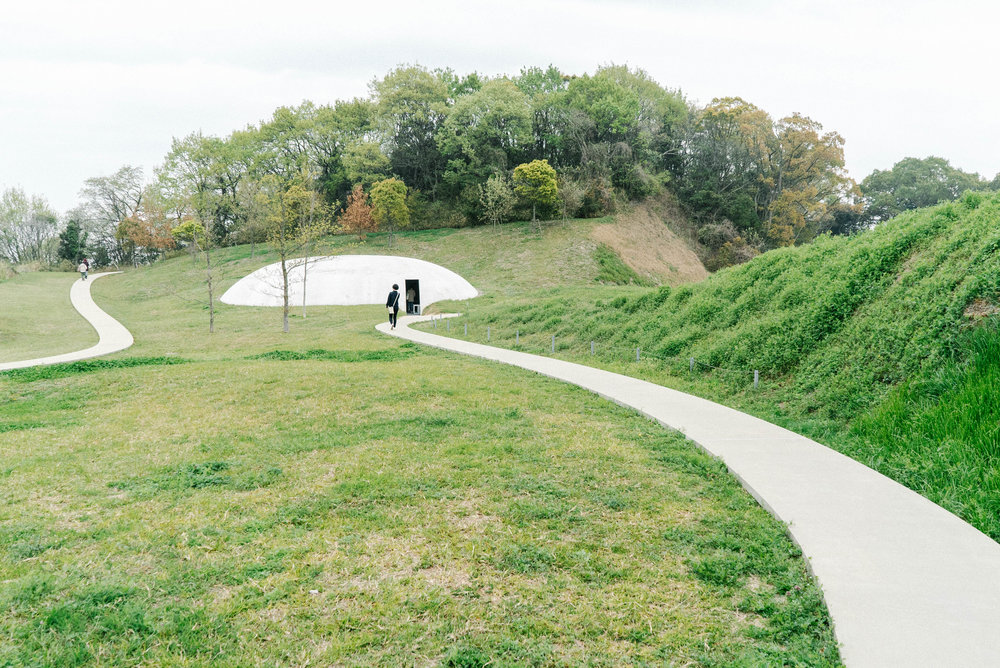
(37, 319)
(883, 345)
(335, 497)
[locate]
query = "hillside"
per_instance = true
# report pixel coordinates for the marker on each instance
(883, 344)
(37, 318)
(332, 496)
(648, 246)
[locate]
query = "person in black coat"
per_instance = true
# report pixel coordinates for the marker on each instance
(392, 303)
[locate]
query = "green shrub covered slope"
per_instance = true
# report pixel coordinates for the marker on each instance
(886, 338)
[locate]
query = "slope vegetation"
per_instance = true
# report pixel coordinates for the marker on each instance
(882, 344)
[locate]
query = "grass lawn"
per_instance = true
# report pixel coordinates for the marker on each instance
(332, 496)
(37, 319)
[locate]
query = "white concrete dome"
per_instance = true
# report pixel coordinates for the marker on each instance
(349, 280)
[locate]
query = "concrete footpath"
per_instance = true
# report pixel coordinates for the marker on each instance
(906, 582)
(112, 334)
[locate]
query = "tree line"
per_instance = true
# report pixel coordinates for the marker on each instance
(432, 148)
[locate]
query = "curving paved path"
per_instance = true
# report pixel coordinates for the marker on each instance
(112, 334)
(906, 582)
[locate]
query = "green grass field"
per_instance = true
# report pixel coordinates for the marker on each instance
(333, 496)
(37, 319)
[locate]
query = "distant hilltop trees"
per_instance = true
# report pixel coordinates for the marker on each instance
(453, 144)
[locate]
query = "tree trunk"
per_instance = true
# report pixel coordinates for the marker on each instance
(284, 295)
(305, 269)
(211, 297)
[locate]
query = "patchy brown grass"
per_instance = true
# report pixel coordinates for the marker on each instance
(981, 308)
(650, 248)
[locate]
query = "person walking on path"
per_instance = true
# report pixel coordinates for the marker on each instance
(83, 270)
(392, 303)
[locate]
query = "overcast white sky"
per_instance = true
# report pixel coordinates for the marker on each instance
(87, 87)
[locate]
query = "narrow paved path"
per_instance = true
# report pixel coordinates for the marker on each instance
(906, 582)
(112, 334)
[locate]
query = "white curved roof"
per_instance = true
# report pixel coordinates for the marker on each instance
(349, 280)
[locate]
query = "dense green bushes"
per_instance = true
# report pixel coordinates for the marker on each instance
(842, 319)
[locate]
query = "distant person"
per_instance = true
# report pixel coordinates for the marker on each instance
(392, 303)
(411, 296)
(83, 268)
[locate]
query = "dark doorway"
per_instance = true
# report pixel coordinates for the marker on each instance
(412, 292)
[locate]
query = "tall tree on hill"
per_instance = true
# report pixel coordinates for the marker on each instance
(535, 183)
(206, 171)
(805, 178)
(545, 89)
(199, 181)
(107, 201)
(297, 217)
(496, 198)
(389, 206)
(72, 242)
(913, 183)
(146, 234)
(782, 181)
(412, 105)
(486, 132)
(286, 148)
(725, 162)
(346, 147)
(28, 227)
(357, 217)
(635, 125)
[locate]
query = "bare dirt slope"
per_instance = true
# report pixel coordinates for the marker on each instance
(644, 242)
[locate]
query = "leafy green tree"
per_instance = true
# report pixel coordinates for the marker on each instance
(365, 163)
(411, 106)
(200, 180)
(545, 89)
(458, 85)
(287, 143)
(535, 182)
(634, 128)
(201, 176)
(725, 162)
(779, 181)
(72, 242)
(913, 183)
(107, 201)
(496, 198)
(486, 132)
(28, 227)
(297, 217)
(345, 138)
(191, 233)
(389, 209)
(805, 177)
